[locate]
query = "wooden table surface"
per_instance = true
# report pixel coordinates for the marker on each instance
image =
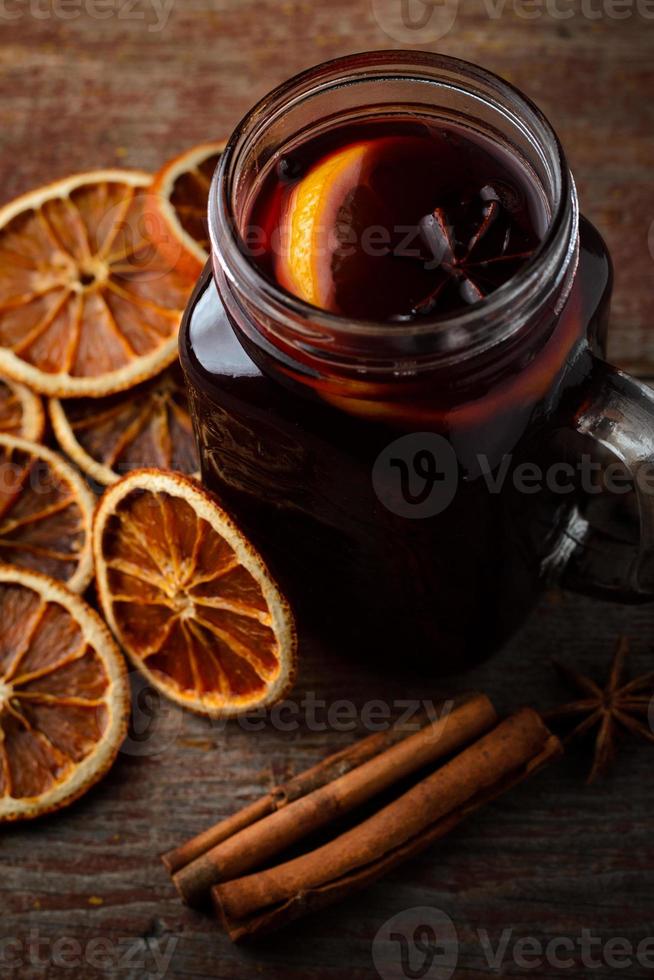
(89, 84)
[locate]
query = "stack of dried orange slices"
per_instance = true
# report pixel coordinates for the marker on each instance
(95, 271)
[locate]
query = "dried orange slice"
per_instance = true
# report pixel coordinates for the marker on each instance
(46, 512)
(189, 599)
(21, 411)
(64, 697)
(148, 426)
(181, 189)
(89, 304)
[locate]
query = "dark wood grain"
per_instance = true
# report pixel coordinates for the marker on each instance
(549, 860)
(554, 857)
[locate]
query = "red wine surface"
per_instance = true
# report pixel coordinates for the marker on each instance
(396, 220)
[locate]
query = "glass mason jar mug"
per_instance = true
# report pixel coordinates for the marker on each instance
(414, 485)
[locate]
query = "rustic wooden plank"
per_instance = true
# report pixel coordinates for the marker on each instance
(89, 93)
(554, 857)
(549, 860)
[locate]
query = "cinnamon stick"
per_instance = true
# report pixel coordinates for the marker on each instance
(258, 903)
(300, 785)
(252, 846)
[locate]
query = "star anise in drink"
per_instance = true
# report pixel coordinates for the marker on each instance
(617, 709)
(474, 246)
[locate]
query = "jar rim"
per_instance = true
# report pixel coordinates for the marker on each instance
(480, 326)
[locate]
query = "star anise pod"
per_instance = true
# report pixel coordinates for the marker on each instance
(475, 245)
(617, 709)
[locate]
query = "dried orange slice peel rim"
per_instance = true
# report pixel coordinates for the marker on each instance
(164, 183)
(96, 469)
(97, 637)
(141, 366)
(81, 495)
(32, 414)
(206, 509)
(66, 438)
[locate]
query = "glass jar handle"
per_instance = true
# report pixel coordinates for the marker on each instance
(614, 421)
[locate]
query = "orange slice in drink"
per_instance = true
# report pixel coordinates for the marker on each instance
(181, 189)
(189, 599)
(64, 696)
(89, 302)
(46, 512)
(148, 426)
(309, 223)
(21, 411)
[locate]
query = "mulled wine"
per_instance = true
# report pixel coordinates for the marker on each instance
(396, 219)
(402, 311)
